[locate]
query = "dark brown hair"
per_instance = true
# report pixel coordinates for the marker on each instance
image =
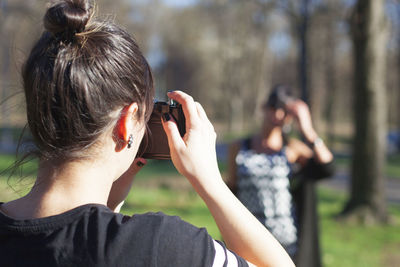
(279, 96)
(78, 77)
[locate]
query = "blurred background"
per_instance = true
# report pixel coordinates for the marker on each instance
(342, 56)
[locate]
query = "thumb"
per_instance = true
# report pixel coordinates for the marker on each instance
(171, 130)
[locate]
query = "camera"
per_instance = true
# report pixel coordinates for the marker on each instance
(155, 142)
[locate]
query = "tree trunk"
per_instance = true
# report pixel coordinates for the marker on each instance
(330, 78)
(369, 31)
(303, 55)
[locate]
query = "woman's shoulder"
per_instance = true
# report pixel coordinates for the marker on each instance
(167, 226)
(160, 219)
(177, 240)
(296, 151)
(156, 235)
(237, 144)
(145, 222)
(169, 239)
(234, 148)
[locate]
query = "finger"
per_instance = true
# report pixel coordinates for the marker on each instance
(290, 104)
(293, 108)
(301, 102)
(175, 140)
(188, 106)
(201, 112)
(203, 115)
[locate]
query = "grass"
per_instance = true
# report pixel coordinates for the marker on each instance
(353, 245)
(159, 188)
(342, 244)
(6, 167)
(183, 203)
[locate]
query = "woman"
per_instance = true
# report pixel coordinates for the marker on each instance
(89, 95)
(261, 165)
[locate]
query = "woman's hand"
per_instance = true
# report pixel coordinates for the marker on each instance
(121, 187)
(301, 112)
(194, 155)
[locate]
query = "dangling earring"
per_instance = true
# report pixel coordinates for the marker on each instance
(287, 128)
(130, 141)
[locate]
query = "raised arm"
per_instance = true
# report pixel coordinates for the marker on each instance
(301, 113)
(194, 156)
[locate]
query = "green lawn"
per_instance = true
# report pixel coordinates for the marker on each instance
(348, 245)
(159, 188)
(342, 245)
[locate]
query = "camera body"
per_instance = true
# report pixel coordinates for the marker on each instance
(155, 142)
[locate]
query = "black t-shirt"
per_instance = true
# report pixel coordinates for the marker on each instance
(93, 235)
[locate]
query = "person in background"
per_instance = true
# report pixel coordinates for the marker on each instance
(267, 170)
(89, 94)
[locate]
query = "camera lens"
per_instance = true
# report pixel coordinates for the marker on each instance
(171, 102)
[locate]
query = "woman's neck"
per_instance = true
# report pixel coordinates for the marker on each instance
(271, 138)
(62, 187)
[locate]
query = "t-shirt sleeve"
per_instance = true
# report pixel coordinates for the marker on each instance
(226, 258)
(221, 255)
(155, 239)
(182, 244)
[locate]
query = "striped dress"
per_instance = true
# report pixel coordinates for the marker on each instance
(263, 187)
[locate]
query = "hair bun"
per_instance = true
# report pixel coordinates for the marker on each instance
(67, 17)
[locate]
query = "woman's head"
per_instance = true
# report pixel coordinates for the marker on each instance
(78, 78)
(275, 106)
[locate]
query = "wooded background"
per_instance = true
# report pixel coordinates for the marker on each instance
(229, 53)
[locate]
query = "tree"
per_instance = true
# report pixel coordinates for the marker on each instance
(327, 67)
(20, 26)
(369, 33)
(13, 24)
(301, 15)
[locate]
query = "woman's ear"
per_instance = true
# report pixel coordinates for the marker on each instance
(280, 114)
(125, 123)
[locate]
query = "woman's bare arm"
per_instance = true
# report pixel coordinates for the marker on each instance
(194, 157)
(301, 113)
